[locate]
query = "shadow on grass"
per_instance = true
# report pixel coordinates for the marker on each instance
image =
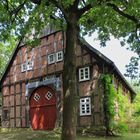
(123, 137)
(28, 134)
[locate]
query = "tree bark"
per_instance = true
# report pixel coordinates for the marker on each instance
(69, 78)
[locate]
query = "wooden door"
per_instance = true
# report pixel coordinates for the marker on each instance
(43, 109)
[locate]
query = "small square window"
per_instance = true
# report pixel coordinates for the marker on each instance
(36, 97)
(23, 67)
(48, 95)
(29, 65)
(51, 58)
(85, 106)
(84, 74)
(59, 56)
(5, 114)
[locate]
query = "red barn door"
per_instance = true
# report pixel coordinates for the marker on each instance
(43, 109)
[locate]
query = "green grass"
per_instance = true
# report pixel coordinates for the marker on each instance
(27, 134)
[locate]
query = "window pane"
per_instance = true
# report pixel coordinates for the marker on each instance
(85, 106)
(82, 100)
(87, 100)
(59, 56)
(84, 74)
(83, 112)
(51, 59)
(87, 111)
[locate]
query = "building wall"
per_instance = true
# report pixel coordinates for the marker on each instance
(15, 104)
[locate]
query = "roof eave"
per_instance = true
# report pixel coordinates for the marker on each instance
(109, 62)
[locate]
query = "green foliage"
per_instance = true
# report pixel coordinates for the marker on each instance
(132, 68)
(109, 95)
(118, 106)
(136, 108)
(6, 50)
(101, 17)
(134, 121)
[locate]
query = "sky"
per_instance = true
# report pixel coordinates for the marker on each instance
(114, 51)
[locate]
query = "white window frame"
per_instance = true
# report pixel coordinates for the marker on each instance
(85, 106)
(57, 56)
(84, 74)
(49, 60)
(23, 67)
(29, 65)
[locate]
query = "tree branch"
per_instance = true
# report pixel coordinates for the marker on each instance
(137, 33)
(7, 5)
(57, 3)
(61, 7)
(84, 2)
(36, 1)
(76, 2)
(16, 10)
(120, 12)
(84, 9)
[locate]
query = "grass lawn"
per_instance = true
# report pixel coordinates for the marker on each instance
(26, 134)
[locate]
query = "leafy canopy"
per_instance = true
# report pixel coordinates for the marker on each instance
(109, 17)
(5, 52)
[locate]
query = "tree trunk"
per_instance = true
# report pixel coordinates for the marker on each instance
(69, 85)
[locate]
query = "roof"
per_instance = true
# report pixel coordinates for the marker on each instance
(84, 44)
(109, 62)
(19, 45)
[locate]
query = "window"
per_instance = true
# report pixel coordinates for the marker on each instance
(23, 67)
(5, 114)
(48, 95)
(85, 106)
(84, 74)
(51, 58)
(29, 65)
(36, 97)
(59, 56)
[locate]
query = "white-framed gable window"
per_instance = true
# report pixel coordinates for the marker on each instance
(85, 106)
(84, 74)
(23, 67)
(51, 58)
(29, 65)
(59, 56)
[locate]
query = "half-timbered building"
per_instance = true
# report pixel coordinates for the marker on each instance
(31, 86)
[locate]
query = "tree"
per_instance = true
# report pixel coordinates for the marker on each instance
(5, 52)
(132, 69)
(108, 17)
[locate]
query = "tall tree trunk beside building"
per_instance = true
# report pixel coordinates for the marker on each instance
(69, 78)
